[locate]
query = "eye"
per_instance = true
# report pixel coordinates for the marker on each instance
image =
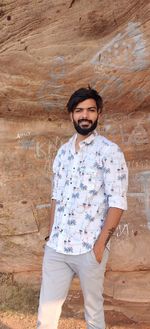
(92, 109)
(77, 110)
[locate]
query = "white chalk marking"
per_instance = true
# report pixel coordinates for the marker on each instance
(41, 206)
(134, 47)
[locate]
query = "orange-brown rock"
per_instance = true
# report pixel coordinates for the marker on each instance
(47, 50)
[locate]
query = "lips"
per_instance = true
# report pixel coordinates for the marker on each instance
(83, 122)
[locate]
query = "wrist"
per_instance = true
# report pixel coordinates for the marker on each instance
(100, 244)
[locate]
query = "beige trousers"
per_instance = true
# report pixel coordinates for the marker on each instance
(57, 274)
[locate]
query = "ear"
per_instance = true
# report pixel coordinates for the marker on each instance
(71, 116)
(99, 113)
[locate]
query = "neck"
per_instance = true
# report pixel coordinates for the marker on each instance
(79, 139)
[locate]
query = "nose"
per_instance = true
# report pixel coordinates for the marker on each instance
(84, 114)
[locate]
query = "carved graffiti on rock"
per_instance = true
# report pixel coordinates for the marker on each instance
(138, 135)
(122, 229)
(23, 134)
(25, 139)
(138, 164)
(46, 151)
(43, 206)
(145, 180)
(42, 148)
(133, 131)
(127, 230)
(49, 93)
(125, 51)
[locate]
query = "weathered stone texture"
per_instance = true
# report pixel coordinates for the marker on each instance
(47, 50)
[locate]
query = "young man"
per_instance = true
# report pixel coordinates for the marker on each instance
(88, 199)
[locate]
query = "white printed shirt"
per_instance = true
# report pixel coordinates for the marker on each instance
(86, 184)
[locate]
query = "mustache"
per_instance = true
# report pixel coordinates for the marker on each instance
(84, 121)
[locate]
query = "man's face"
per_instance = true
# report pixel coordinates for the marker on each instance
(85, 117)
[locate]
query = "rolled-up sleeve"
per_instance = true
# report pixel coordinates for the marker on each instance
(115, 177)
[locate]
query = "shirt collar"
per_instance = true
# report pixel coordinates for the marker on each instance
(89, 139)
(86, 141)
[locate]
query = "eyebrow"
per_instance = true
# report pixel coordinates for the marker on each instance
(86, 108)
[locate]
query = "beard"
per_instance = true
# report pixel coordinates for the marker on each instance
(85, 130)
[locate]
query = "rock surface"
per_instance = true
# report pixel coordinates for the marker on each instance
(47, 50)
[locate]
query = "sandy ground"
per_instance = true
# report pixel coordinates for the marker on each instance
(17, 320)
(19, 304)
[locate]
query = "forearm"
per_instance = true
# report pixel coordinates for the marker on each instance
(111, 222)
(51, 220)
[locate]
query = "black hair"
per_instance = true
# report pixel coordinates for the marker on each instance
(81, 95)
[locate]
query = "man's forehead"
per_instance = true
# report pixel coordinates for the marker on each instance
(90, 102)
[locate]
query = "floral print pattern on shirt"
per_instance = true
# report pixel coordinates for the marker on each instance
(86, 184)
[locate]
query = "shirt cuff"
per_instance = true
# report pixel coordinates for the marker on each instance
(119, 202)
(53, 197)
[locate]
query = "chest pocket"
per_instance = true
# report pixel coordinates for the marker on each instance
(93, 179)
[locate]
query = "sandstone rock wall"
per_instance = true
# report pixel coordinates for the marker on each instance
(47, 50)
